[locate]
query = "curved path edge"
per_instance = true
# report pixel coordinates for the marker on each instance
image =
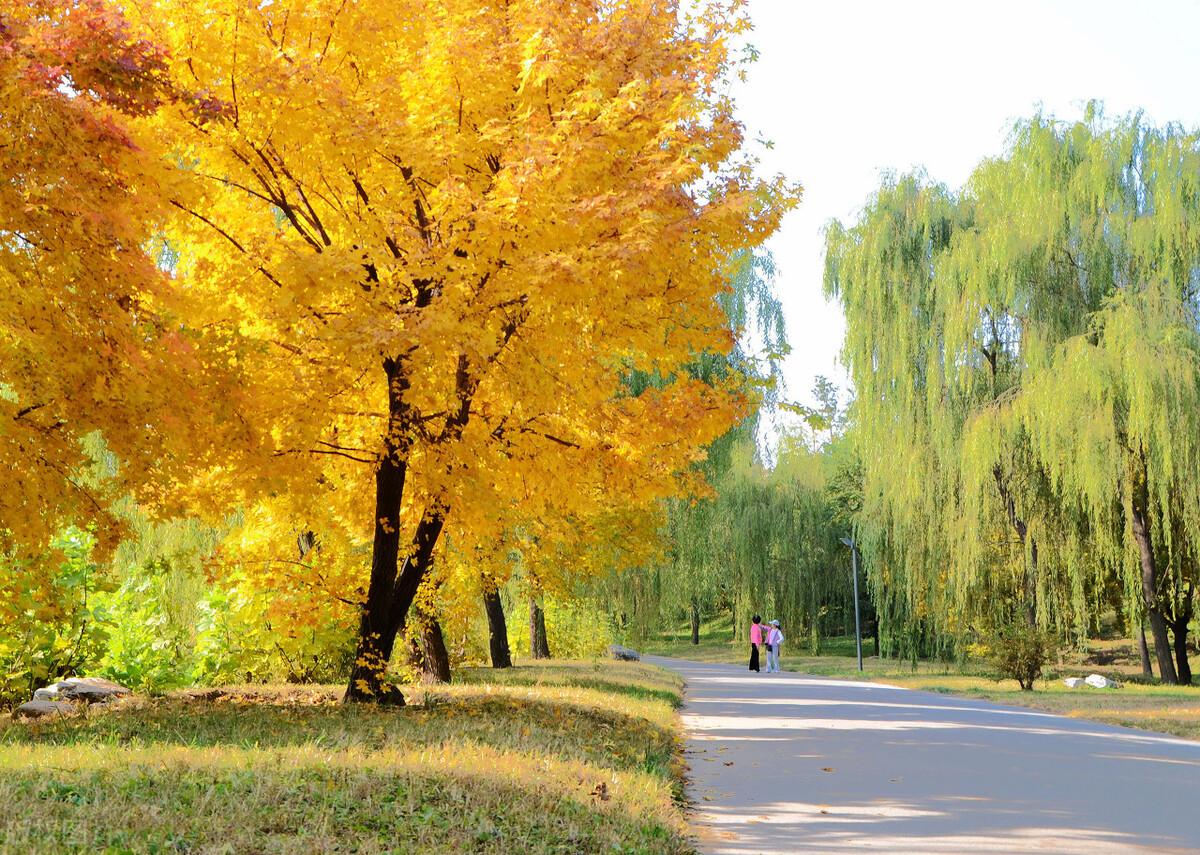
(783, 763)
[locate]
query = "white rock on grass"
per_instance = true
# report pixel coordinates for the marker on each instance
(41, 709)
(616, 651)
(1099, 681)
(1074, 682)
(93, 690)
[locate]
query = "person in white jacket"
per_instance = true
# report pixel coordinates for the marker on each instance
(774, 640)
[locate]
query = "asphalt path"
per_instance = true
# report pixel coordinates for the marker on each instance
(789, 763)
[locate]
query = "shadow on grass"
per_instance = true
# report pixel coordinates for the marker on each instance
(334, 803)
(569, 676)
(567, 730)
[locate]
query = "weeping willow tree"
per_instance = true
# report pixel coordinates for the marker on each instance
(760, 537)
(783, 543)
(882, 271)
(1024, 358)
(1119, 423)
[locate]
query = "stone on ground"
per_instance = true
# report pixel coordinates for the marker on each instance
(93, 690)
(626, 654)
(41, 709)
(1101, 682)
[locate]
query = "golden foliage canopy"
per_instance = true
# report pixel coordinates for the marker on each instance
(443, 235)
(90, 340)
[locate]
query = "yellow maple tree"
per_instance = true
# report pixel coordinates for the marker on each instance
(95, 367)
(448, 231)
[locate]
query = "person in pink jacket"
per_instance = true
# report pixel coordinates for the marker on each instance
(756, 640)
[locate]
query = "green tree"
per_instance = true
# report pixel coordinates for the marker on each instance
(1024, 358)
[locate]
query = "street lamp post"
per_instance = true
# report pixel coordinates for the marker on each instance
(849, 541)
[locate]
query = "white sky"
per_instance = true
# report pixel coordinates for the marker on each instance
(849, 89)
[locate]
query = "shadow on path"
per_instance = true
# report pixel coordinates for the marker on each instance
(787, 763)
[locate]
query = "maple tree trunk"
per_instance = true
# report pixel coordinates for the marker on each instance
(1158, 624)
(431, 649)
(539, 645)
(497, 630)
(695, 622)
(392, 587)
(1144, 650)
(376, 639)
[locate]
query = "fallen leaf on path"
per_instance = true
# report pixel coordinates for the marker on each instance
(728, 762)
(826, 768)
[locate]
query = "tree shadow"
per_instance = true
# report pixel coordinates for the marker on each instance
(567, 730)
(320, 804)
(568, 676)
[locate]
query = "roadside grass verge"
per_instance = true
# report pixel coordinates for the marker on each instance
(562, 757)
(1165, 709)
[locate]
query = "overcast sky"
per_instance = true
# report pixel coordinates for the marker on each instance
(848, 89)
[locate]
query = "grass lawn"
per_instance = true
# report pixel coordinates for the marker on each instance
(564, 757)
(1166, 709)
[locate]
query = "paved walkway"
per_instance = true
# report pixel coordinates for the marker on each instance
(787, 763)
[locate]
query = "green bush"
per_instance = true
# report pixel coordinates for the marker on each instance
(1020, 653)
(251, 635)
(575, 629)
(152, 627)
(56, 629)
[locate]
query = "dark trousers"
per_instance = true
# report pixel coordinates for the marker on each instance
(753, 657)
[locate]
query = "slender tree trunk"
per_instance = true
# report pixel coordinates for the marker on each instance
(1179, 630)
(1158, 624)
(393, 587)
(695, 622)
(1031, 580)
(1183, 667)
(497, 630)
(1144, 650)
(1031, 558)
(377, 641)
(539, 645)
(435, 660)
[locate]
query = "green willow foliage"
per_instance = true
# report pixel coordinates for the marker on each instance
(780, 544)
(1026, 360)
(764, 539)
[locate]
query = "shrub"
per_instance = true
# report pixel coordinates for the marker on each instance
(575, 629)
(1020, 653)
(250, 634)
(52, 623)
(152, 626)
